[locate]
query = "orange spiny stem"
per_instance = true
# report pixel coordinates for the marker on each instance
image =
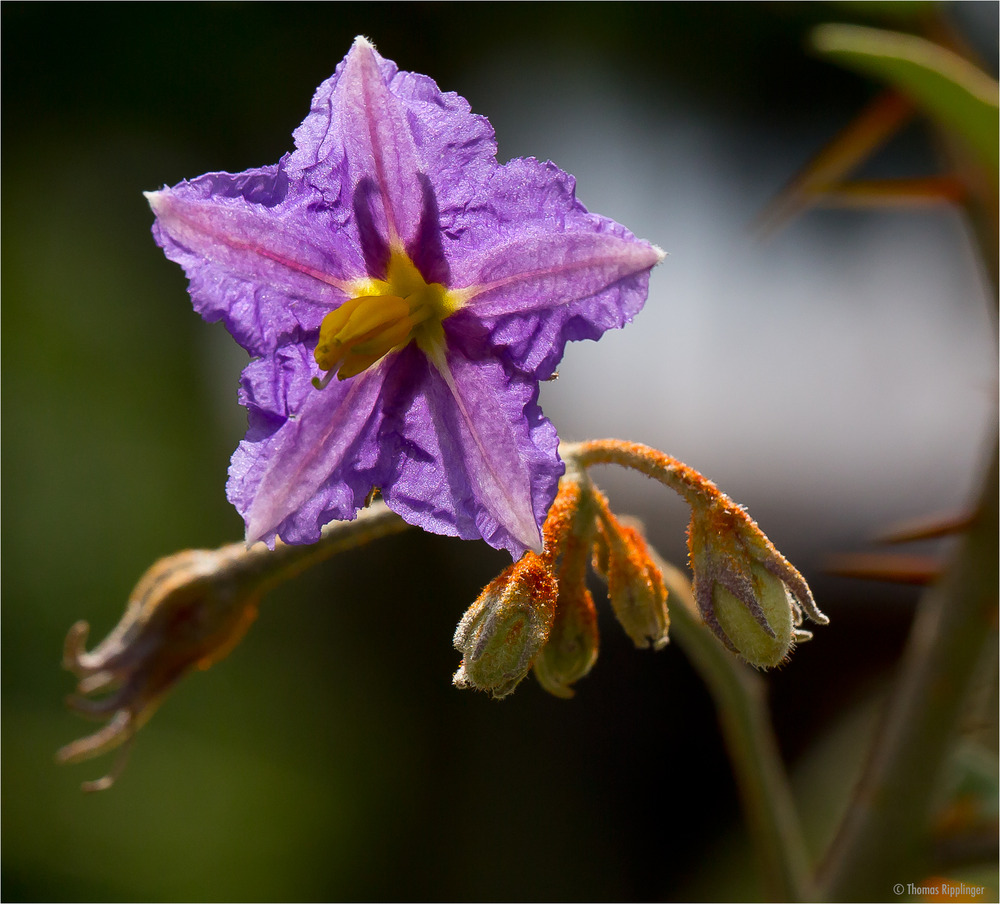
(560, 519)
(696, 489)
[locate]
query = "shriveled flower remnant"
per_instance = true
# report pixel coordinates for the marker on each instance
(187, 612)
(402, 294)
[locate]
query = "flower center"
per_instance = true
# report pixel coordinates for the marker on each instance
(382, 316)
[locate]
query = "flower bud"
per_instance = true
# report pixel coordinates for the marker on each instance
(502, 632)
(764, 639)
(601, 555)
(635, 585)
(748, 594)
(571, 650)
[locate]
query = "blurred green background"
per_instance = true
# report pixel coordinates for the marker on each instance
(329, 758)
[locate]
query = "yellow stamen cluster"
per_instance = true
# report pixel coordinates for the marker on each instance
(383, 315)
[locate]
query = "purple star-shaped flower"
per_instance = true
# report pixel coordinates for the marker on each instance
(393, 251)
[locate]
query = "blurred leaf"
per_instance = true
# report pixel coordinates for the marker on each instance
(927, 527)
(900, 12)
(920, 192)
(965, 822)
(895, 568)
(882, 118)
(949, 88)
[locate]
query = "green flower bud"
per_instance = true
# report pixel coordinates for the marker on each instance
(747, 592)
(571, 650)
(762, 645)
(502, 632)
(601, 554)
(635, 586)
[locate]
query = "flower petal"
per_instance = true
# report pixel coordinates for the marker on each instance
(378, 141)
(541, 270)
(385, 163)
(256, 253)
(342, 145)
(310, 455)
(456, 147)
(356, 119)
(480, 459)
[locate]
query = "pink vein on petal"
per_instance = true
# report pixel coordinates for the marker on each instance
(512, 509)
(182, 222)
(314, 445)
(604, 260)
(375, 117)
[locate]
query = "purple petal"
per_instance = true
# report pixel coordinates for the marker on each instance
(266, 263)
(386, 162)
(342, 146)
(479, 459)
(355, 118)
(535, 273)
(593, 283)
(544, 271)
(310, 455)
(456, 148)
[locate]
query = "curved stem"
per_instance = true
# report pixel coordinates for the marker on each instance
(740, 700)
(676, 475)
(275, 566)
(884, 837)
(188, 611)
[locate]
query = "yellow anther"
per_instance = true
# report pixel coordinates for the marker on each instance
(383, 316)
(364, 354)
(363, 321)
